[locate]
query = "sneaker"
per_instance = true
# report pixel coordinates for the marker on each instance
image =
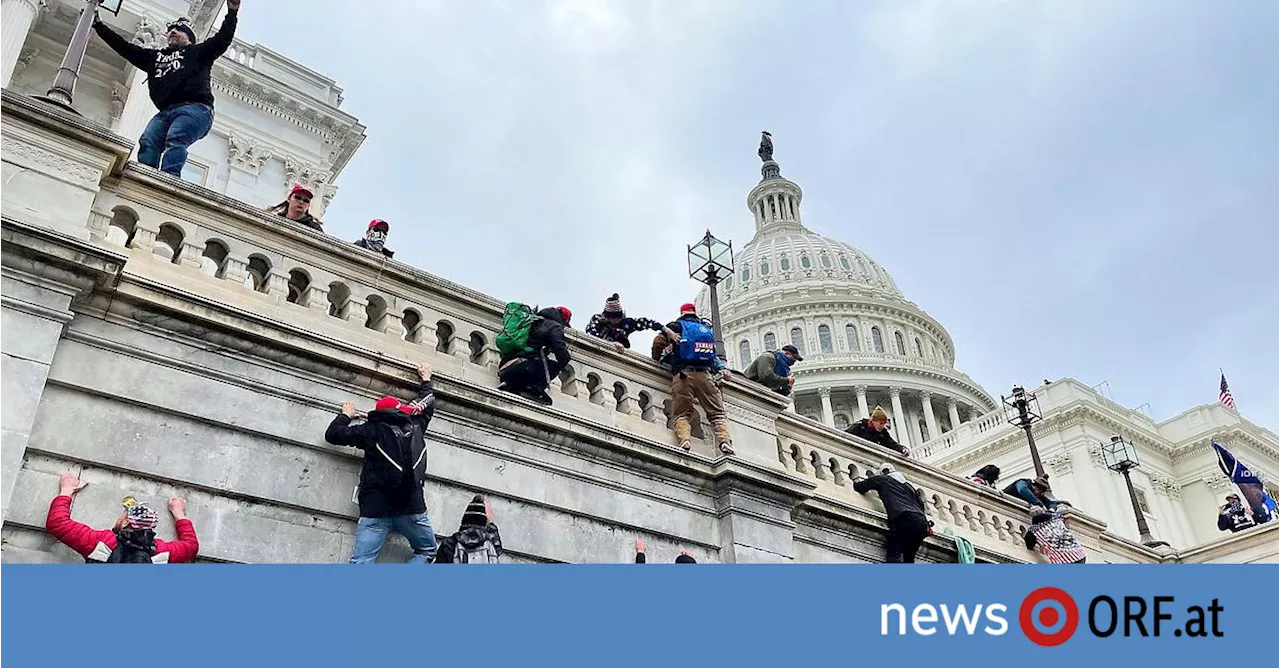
(727, 447)
(543, 398)
(686, 445)
(504, 388)
(537, 397)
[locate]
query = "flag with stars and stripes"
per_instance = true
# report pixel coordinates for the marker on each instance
(1224, 394)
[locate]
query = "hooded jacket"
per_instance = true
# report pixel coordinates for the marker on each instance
(395, 455)
(898, 497)
(307, 219)
(175, 75)
(546, 334)
(764, 370)
(863, 429)
(96, 545)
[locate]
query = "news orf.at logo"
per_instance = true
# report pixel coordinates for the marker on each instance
(1049, 617)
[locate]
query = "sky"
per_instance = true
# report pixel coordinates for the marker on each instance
(1083, 189)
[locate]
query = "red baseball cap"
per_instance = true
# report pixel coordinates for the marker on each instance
(386, 227)
(298, 188)
(688, 308)
(387, 404)
(565, 313)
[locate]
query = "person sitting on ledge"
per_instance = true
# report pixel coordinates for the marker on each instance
(477, 540)
(297, 207)
(614, 326)
(683, 558)
(179, 82)
(987, 476)
(773, 369)
(529, 373)
(393, 472)
(1035, 492)
(133, 538)
(876, 430)
(375, 238)
(908, 524)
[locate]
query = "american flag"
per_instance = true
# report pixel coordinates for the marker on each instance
(1224, 394)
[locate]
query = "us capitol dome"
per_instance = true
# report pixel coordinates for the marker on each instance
(864, 344)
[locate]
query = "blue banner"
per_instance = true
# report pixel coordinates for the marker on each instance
(639, 615)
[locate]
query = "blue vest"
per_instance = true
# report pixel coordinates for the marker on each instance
(697, 344)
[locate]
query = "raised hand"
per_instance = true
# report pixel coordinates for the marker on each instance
(424, 371)
(349, 409)
(178, 507)
(69, 484)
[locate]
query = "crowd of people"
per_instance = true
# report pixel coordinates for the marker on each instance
(533, 352)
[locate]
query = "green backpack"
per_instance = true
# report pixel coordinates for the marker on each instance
(517, 320)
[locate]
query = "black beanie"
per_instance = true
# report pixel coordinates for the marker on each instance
(686, 559)
(475, 516)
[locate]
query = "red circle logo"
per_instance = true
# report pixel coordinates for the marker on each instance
(1047, 600)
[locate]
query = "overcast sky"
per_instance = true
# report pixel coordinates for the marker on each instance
(1083, 189)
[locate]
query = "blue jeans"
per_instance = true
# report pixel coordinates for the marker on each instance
(371, 535)
(170, 132)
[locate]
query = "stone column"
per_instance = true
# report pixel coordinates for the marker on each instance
(913, 428)
(953, 413)
(137, 111)
(828, 416)
(930, 421)
(863, 411)
(895, 398)
(43, 273)
(16, 17)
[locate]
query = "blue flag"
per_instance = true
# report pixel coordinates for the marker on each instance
(1249, 484)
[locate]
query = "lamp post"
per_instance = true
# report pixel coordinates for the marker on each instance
(1022, 410)
(710, 262)
(64, 84)
(1121, 457)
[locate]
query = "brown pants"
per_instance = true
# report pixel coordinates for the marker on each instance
(689, 385)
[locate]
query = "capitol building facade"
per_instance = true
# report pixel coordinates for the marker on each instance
(864, 344)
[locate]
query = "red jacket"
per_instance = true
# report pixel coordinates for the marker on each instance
(97, 544)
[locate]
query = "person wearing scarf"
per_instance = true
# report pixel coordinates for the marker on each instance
(1050, 536)
(773, 369)
(132, 540)
(614, 326)
(375, 238)
(1234, 516)
(908, 524)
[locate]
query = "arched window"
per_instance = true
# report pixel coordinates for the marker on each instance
(785, 263)
(826, 261)
(744, 352)
(770, 341)
(897, 341)
(746, 274)
(804, 261)
(877, 340)
(844, 263)
(728, 283)
(764, 268)
(299, 282)
(851, 335)
(918, 351)
(824, 338)
(797, 339)
(214, 260)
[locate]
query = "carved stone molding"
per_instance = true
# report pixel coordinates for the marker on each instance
(1096, 456)
(1216, 482)
(1060, 463)
(246, 154)
(1165, 485)
(753, 418)
(297, 171)
(147, 34)
(68, 169)
(824, 392)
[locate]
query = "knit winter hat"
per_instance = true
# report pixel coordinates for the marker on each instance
(613, 304)
(387, 404)
(476, 515)
(686, 559)
(139, 517)
(183, 24)
(878, 415)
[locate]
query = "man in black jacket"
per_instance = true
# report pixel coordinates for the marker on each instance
(178, 79)
(908, 524)
(529, 374)
(394, 470)
(876, 430)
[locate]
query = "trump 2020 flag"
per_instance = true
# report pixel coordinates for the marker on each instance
(1250, 486)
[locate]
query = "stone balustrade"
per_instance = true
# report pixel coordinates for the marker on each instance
(192, 344)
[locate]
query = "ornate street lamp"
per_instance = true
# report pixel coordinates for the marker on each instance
(64, 84)
(1121, 457)
(1022, 410)
(710, 262)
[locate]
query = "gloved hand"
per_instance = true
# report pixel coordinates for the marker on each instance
(657, 327)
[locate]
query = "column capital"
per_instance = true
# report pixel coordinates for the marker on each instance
(860, 389)
(824, 392)
(925, 395)
(951, 402)
(895, 392)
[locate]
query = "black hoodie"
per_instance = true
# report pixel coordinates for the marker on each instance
(175, 75)
(395, 455)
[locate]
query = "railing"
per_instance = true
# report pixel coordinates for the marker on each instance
(966, 434)
(242, 53)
